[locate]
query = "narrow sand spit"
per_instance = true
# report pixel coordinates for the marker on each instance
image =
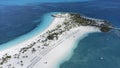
(41, 55)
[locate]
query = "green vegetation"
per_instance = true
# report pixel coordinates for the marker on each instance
(72, 20)
(105, 28)
(5, 59)
(8, 56)
(52, 36)
(80, 20)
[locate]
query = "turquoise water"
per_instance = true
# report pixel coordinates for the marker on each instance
(46, 21)
(69, 54)
(91, 48)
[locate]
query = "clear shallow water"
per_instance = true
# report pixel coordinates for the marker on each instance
(39, 28)
(90, 50)
(98, 50)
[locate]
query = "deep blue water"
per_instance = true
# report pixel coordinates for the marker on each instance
(18, 20)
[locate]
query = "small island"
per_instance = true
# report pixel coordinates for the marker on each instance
(46, 48)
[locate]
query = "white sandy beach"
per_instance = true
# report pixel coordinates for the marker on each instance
(24, 43)
(64, 50)
(47, 56)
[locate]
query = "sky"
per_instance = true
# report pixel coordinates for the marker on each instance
(23, 2)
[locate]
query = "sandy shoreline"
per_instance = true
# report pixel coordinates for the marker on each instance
(51, 56)
(64, 51)
(24, 43)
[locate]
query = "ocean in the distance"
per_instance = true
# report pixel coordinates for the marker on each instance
(98, 50)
